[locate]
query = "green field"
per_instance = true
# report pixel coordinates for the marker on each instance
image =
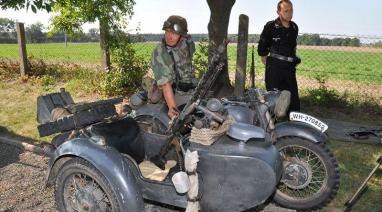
(357, 66)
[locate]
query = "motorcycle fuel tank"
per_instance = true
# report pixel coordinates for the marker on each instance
(241, 113)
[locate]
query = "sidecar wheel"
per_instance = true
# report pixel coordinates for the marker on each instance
(310, 177)
(81, 187)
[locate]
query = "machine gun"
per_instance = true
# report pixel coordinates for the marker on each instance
(252, 70)
(216, 65)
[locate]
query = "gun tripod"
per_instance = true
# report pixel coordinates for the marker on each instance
(349, 204)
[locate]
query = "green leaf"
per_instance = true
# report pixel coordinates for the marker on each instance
(34, 8)
(48, 7)
(38, 4)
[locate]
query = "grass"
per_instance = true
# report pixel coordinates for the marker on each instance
(355, 162)
(19, 108)
(341, 65)
(18, 94)
(18, 114)
(75, 52)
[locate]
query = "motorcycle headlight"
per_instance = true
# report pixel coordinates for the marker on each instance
(214, 105)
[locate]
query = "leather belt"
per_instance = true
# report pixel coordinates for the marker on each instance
(281, 57)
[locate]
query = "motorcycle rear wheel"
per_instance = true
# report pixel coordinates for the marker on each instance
(310, 177)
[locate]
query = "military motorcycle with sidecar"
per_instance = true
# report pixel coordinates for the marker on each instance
(96, 159)
(311, 173)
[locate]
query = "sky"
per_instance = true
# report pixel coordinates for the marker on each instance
(338, 17)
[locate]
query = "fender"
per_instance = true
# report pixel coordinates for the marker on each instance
(299, 129)
(108, 161)
(158, 111)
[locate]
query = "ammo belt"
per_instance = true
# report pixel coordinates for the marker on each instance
(281, 57)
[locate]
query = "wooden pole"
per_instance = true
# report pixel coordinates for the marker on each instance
(241, 62)
(22, 145)
(22, 48)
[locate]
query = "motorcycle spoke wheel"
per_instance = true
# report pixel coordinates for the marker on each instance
(84, 194)
(305, 175)
(81, 187)
(310, 177)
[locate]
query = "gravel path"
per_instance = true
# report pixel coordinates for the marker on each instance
(22, 177)
(22, 188)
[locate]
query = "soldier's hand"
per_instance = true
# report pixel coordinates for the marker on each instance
(264, 59)
(172, 112)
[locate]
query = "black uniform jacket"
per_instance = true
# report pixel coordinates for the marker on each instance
(278, 39)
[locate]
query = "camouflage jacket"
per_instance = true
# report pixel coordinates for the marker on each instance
(162, 63)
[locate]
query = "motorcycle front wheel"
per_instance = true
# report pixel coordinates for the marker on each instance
(310, 177)
(81, 187)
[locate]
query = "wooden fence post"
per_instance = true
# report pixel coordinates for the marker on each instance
(241, 62)
(22, 48)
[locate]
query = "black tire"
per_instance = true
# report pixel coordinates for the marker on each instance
(151, 124)
(91, 192)
(318, 163)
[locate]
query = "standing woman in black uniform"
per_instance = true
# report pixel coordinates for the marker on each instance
(277, 48)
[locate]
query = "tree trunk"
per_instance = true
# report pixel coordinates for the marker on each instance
(104, 41)
(217, 32)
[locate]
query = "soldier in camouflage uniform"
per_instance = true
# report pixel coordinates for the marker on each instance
(171, 62)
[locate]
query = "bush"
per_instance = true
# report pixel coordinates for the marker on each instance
(332, 103)
(9, 69)
(127, 70)
(200, 59)
(39, 68)
(47, 82)
(324, 96)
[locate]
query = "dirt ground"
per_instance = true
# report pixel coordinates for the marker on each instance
(22, 177)
(22, 188)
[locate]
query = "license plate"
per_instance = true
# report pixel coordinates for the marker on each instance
(319, 125)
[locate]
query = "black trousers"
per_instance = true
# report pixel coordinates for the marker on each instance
(281, 75)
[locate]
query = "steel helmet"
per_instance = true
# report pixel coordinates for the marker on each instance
(176, 24)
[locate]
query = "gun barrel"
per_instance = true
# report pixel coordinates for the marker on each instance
(252, 71)
(217, 117)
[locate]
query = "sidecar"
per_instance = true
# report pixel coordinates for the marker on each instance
(98, 167)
